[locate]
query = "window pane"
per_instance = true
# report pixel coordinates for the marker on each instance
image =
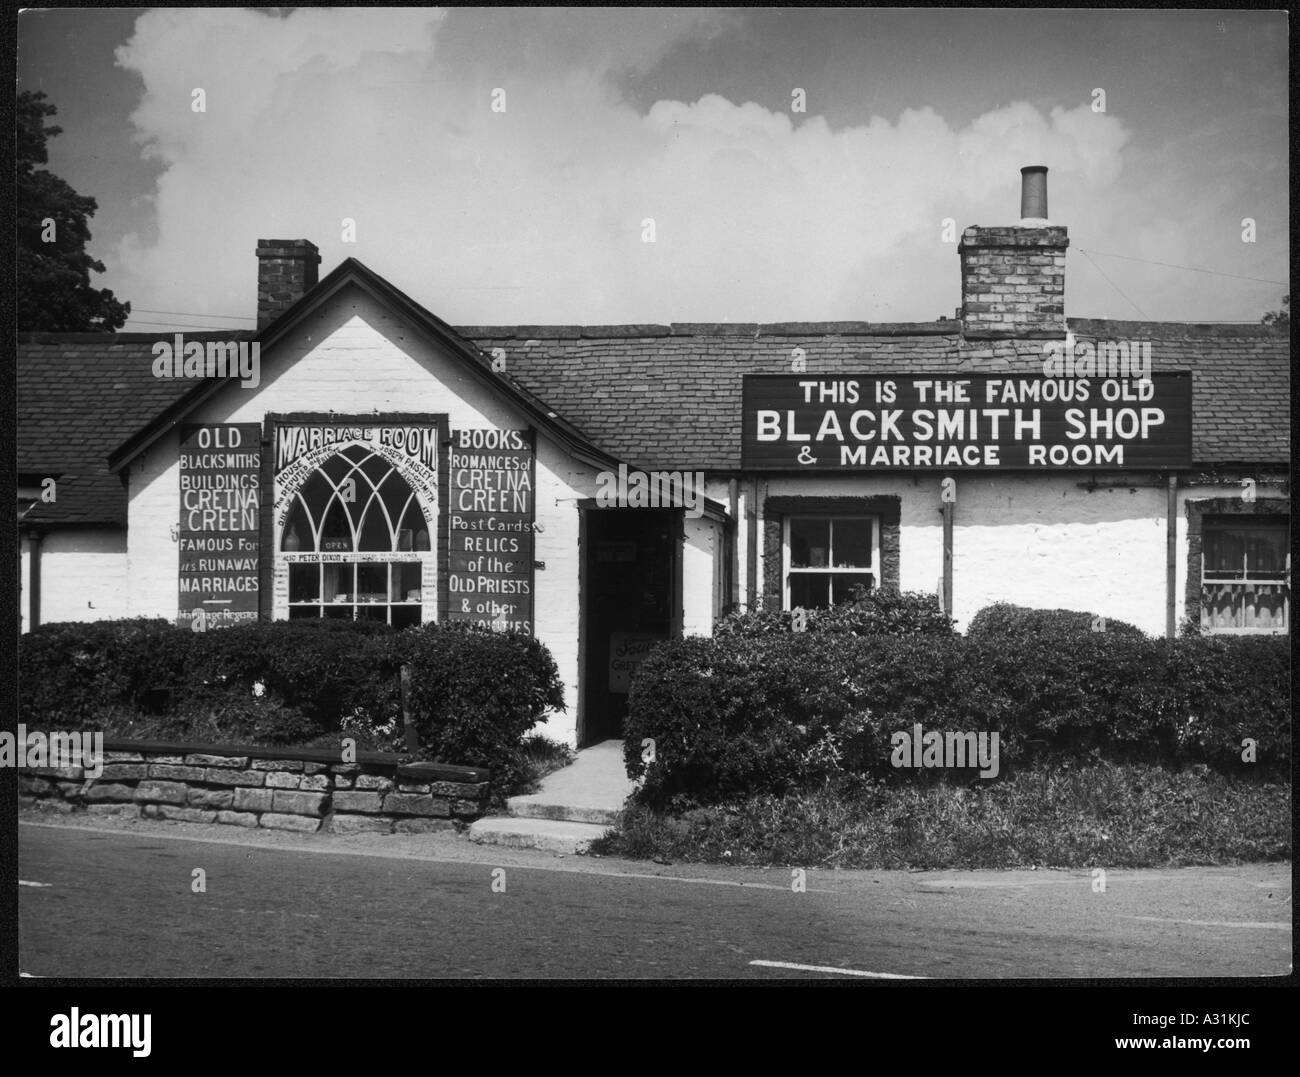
(336, 534)
(339, 581)
(375, 534)
(810, 542)
(406, 582)
(338, 613)
(844, 582)
(396, 493)
(304, 583)
(1265, 607)
(298, 534)
(316, 492)
(1218, 605)
(372, 583)
(1224, 553)
(338, 466)
(375, 469)
(851, 543)
(1266, 551)
(810, 590)
(300, 613)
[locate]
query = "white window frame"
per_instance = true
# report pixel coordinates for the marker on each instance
(354, 557)
(1246, 583)
(786, 570)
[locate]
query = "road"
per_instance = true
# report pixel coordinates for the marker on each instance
(118, 899)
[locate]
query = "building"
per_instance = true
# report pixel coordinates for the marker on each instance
(369, 460)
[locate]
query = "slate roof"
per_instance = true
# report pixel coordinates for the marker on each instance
(670, 396)
(352, 274)
(659, 396)
(79, 396)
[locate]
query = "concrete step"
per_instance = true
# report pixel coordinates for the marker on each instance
(591, 789)
(574, 806)
(551, 835)
(542, 806)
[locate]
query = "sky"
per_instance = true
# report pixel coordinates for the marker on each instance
(500, 165)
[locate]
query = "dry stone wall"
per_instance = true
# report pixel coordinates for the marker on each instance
(305, 790)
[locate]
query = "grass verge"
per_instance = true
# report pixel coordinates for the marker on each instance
(1114, 816)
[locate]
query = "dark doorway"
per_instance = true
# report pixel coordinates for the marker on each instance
(629, 604)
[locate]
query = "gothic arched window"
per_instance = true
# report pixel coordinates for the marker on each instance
(359, 539)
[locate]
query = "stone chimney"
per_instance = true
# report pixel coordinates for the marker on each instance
(286, 270)
(1013, 278)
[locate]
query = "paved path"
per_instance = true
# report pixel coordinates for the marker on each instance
(115, 899)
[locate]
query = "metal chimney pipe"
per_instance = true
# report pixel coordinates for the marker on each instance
(1033, 193)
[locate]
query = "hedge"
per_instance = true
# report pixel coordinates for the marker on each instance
(1004, 620)
(474, 693)
(739, 715)
(868, 613)
(69, 671)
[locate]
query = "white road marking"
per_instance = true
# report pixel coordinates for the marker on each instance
(24, 882)
(839, 972)
(1276, 925)
(708, 882)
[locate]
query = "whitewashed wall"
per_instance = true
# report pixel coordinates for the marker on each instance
(702, 547)
(83, 576)
(354, 357)
(1041, 541)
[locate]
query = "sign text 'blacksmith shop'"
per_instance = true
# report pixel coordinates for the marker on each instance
(971, 421)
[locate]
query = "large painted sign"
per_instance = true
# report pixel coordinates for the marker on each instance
(220, 488)
(860, 423)
(300, 448)
(490, 527)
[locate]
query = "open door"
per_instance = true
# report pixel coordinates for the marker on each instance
(630, 602)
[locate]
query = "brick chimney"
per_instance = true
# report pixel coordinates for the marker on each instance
(286, 270)
(1013, 278)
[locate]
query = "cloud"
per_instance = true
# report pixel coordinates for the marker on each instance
(536, 214)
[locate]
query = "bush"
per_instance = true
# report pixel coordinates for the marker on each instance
(1005, 620)
(1232, 688)
(741, 715)
(249, 719)
(474, 693)
(322, 669)
(69, 671)
(885, 612)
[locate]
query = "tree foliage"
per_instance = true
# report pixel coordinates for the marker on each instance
(53, 289)
(1280, 318)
